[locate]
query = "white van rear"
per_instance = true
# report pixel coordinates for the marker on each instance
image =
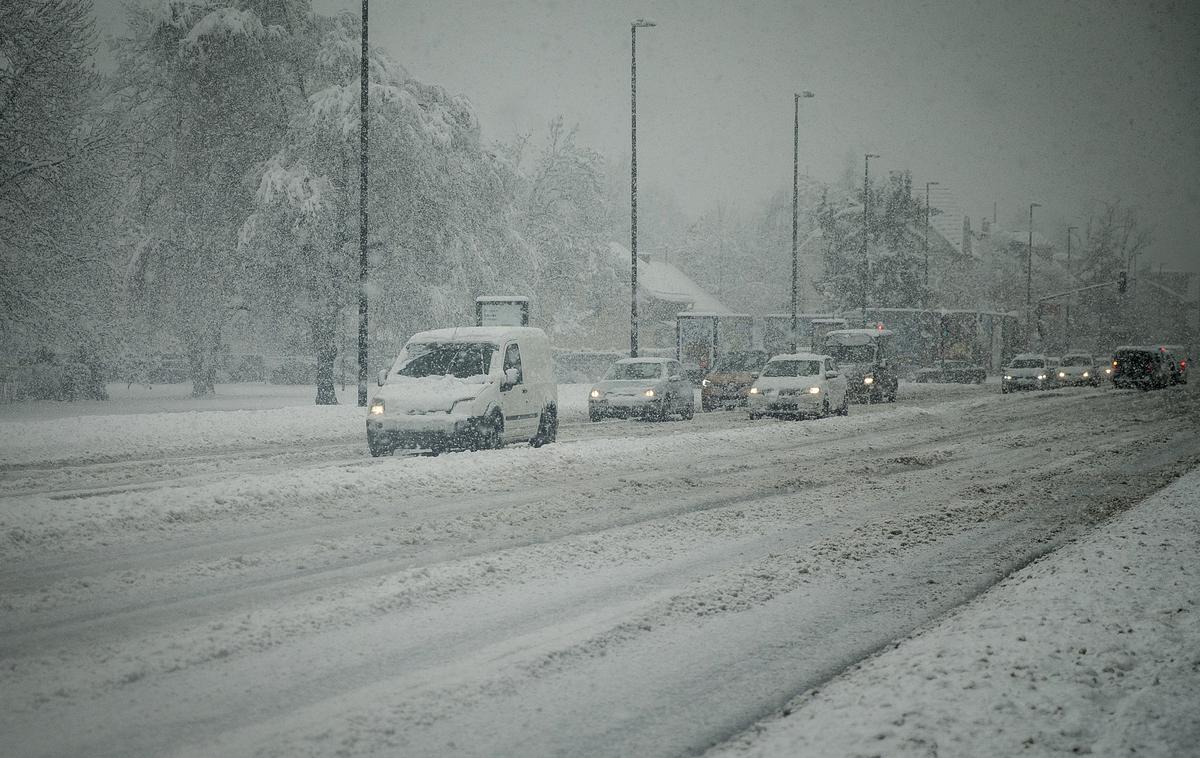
(466, 388)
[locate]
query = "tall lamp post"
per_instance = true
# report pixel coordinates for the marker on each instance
(795, 208)
(633, 259)
(927, 186)
(363, 100)
(1071, 276)
(1029, 279)
(866, 262)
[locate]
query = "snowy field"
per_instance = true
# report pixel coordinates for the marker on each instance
(239, 577)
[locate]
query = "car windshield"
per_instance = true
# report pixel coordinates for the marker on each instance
(792, 368)
(1077, 360)
(463, 360)
(750, 360)
(853, 353)
(635, 371)
(1028, 363)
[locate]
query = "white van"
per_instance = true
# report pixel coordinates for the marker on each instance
(467, 388)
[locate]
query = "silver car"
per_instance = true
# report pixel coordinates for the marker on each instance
(652, 388)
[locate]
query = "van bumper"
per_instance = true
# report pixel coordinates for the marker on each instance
(427, 432)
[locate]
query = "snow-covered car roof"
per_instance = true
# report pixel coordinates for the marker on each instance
(1028, 356)
(798, 357)
(643, 359)
(477, 334)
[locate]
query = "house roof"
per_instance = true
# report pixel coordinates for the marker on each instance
(662, 281)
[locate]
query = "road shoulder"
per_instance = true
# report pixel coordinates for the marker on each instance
(1092, 649)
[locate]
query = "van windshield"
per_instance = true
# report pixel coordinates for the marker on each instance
(1077, 360)
(853, 353)
(464, 360)
(1028, 363)
(634, 371)
(792, 368)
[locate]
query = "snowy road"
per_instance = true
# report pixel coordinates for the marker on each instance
(636, 589)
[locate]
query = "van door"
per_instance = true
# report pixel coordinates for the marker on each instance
(520, 407)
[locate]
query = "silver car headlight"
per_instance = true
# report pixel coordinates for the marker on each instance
(649, 392)
(1008, 377)
(1062, 374)
(1041, 377)
(868, 379)
(814, 390)
(1086, 374)
(755, 391)
(596, 393)
(377, 407)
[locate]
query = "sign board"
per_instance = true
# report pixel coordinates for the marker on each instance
(502, 311)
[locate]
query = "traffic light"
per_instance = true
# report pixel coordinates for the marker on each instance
(1122, 282)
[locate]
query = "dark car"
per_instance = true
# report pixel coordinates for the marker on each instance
(1141, 367)
(1177, 355)
(960, 372)
(727, 385)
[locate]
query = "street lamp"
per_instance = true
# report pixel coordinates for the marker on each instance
(633, 259)
(1029, 278)
(1070, 275)
(927, 186)
(363, 101)
(866, 263)
(795, 206)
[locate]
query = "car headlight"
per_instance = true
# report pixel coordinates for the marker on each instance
(596, 393)
(1062, 375)
(755, 391)
(1108, 370)
(1086, 374)
(704, 383)
(814, 390)
(377, 407)
(1041, 377)
(1008, 377)
(868, 380)
(649, 393)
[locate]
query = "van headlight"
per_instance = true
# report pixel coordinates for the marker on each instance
(595, 393)
(1041, 377)
(1008, 377)
(755, 391)
(649, 393)
(704, 383)
(868, 379)
(1086, 374)
(1063, 374)
(814, 390)
(377, 407)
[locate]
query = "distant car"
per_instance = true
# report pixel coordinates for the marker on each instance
(960, 372)
(797, 385)
(1053, 363)
(1141, 367)
(728, 384)
(1078, 369)
(1026, 371)
(652, 388)
(1179, 362)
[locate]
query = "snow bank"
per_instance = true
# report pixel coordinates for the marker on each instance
(1059, 659)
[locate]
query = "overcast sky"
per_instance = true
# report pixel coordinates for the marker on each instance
(1062, 103)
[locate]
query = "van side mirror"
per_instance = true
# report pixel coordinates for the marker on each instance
(831, 375)
(381, 378)
(512, 376)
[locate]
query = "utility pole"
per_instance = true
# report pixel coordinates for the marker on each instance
(795, 209)
(1071, 274)
(1029, 280)
(866, 261)
(633, 258)
(364, 79)
(927, 186)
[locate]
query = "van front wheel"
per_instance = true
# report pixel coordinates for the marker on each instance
(491, 434)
